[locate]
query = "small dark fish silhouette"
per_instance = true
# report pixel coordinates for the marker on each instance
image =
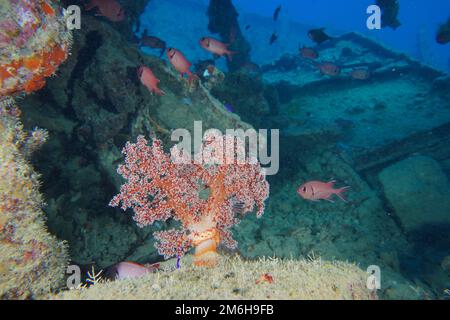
(318, 35)
(247, 27)
(390, 9)
(152, 42)
(276, 13)
(443, 34)
(273, 38)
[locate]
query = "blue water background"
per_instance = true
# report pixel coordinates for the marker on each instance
(416, 36)
(420, 20)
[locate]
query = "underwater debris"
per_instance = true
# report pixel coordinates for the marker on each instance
(34, 41)
(390, 9)
(159, 187)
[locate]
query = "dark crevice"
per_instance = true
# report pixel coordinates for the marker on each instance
(85, 57)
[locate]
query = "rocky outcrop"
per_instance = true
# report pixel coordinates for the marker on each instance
(32, 261)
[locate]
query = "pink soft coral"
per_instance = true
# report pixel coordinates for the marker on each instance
(159, 188)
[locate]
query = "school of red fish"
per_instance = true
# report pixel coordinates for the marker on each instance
(112, 10)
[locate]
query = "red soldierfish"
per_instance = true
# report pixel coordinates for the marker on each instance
(317, 190)
(149, 80)
(126, 269)
(180, 63)
(329, 69)
(109, 9)
(308, 53)
(216, 47)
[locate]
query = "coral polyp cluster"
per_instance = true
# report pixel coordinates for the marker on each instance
(32, 262)
(206, 197)
(34, 41)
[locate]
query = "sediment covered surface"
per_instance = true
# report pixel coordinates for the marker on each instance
(235, 278)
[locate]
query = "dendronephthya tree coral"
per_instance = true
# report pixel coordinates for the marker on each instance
(205, 194)
(34, 41)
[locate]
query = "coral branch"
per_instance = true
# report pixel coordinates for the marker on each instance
(172, 243)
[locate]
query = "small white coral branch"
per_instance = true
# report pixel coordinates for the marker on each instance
(94, 278)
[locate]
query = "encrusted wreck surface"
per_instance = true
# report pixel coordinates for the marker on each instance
(32, 261)
(235, 278)
(327, 125)
(401, 97)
